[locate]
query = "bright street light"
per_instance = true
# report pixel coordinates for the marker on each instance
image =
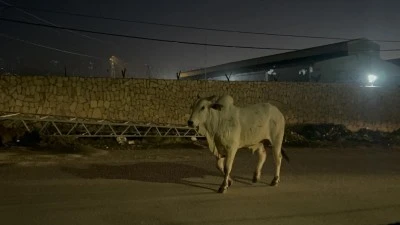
(372, 78)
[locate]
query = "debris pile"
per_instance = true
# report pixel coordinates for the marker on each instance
(328, 134)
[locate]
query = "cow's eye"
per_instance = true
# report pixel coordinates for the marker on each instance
(202, 108)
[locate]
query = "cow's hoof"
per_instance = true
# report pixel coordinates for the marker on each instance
(274, 184)
(222, 190)
(275, 181)
(230, 182)
(255, 178)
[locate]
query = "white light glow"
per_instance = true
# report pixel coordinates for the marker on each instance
(372, 78)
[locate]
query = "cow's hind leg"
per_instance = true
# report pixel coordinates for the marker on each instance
(262, 156)
(230, 157)
(276, 150)
(221, 165)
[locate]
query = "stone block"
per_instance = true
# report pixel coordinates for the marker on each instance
(73, 106)
(93, 104)
(18, 103)
(107, 104)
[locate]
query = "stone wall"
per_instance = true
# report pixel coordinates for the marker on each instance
(168, 101)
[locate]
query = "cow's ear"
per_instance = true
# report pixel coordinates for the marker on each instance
(216, 106)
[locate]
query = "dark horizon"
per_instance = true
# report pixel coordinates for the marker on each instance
(356, 19)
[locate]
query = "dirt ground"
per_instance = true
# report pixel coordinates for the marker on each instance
(178, 186)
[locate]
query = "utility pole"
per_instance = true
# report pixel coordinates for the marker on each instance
(148, 71)
(91, 67)
(205, 60)
(112, 65)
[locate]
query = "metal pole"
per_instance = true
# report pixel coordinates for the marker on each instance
(205, 66)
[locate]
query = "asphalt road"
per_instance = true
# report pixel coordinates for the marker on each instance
(161, 186)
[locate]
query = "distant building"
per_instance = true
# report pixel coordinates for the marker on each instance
(395, 61)
(345, 62)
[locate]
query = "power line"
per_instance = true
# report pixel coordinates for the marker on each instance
(48, 47)
(165, 40)
(142, 38)
(46, 21)
(198, 28)
(8, 5)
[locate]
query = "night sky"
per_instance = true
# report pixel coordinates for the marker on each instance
(349, 19)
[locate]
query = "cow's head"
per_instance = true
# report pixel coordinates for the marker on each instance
(201, 109)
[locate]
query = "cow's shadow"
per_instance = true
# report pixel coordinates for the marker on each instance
(157, 172)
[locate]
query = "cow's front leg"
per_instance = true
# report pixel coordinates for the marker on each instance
(227, 170)
(221, 165)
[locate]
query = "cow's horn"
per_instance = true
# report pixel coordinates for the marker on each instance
(212, 98)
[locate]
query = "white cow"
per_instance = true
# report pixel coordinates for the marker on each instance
(229, 128)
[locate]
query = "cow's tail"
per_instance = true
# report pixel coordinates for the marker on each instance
(285, 156)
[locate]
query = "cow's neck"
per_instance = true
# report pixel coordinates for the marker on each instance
(211, 125)
(209, 129)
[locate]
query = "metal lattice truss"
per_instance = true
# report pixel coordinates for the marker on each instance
(78, 127)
